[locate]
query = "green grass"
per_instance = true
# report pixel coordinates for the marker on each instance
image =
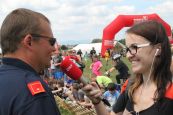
(87, 72)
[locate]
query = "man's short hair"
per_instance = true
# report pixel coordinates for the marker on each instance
(17, 25)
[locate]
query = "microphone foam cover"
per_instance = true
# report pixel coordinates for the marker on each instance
(70, 69)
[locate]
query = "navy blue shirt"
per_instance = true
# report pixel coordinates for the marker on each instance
(16, 98)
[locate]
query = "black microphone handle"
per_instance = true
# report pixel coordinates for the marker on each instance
(84, 80)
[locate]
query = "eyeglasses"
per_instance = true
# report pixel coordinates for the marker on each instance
(51, 40)
(134, 48)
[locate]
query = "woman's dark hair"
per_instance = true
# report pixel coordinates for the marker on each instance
(155, 33)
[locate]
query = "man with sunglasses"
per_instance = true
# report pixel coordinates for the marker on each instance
(27, 45)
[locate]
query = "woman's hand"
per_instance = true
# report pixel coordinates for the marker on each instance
(93, 92)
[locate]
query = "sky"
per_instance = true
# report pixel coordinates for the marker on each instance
(81, 21)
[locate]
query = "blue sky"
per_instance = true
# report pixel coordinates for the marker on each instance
(80, 21)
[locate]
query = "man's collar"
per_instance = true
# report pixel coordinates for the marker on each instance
(18, 63)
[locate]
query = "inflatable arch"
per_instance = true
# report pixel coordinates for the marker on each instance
(127, 21)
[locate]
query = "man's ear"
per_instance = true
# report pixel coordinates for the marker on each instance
(27, 41)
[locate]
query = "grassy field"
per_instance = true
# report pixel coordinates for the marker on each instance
(87, 73)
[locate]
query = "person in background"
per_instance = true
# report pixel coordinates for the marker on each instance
(102, 81)
(79, 96)
(107, 56)
(27, 44)
(79, 52)
(68, 81)
(96, 66)
(113, 52)
(92, 52)
(150, 91)
(76, 59)
(122, 68)
(77, 93)
(59, 75)
(86, 56)
(52, 67)
(111, 94)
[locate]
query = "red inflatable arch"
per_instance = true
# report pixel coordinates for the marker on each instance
(127, 21)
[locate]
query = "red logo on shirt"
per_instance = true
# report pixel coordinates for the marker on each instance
(35, 87)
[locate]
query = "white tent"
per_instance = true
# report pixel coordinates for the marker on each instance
(87, 47)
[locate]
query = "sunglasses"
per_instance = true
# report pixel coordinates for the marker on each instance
(51, 40)
(134, 48)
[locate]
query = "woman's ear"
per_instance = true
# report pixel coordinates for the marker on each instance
(158, 50)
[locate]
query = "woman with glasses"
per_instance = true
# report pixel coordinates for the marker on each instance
(150, 90)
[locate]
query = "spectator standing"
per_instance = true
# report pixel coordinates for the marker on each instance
(92, 52)
(79, 52)
(86, 56)
(96, 65)
(59, 75)
(76, 59)
(107, 56)
(52, 67)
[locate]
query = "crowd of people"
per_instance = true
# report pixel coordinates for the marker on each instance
(30, 77)
(69, 89)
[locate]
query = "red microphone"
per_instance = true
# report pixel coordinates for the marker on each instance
(71, 69)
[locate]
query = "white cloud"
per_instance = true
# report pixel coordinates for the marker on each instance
(8, 5)
(82, 20)
(165, 10)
